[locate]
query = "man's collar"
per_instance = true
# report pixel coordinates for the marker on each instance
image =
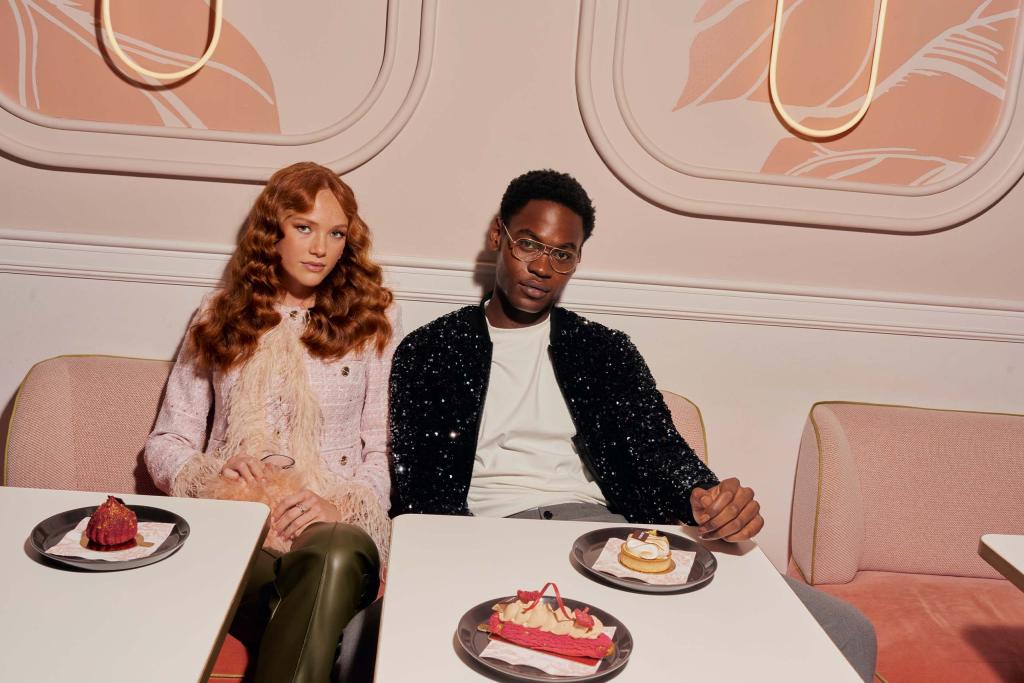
(479, 319)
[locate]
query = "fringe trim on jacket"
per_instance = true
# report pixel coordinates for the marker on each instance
(278, 367)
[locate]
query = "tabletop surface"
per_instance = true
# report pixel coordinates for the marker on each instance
(745, 624)
(159, 622)
(1005, 552)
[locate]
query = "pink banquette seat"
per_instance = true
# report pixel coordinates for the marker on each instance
(888, 509)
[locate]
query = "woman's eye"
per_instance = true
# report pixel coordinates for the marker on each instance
(304, 229)
(338, 234)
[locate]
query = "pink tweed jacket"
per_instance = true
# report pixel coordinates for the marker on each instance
(353, 395)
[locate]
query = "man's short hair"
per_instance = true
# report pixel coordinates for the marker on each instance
(551, 186)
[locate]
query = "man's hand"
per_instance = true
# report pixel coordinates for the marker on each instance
(727, 511)
(297, 511)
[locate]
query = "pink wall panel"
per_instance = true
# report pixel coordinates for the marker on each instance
(273, 71)
(942, 82)
(60, 68)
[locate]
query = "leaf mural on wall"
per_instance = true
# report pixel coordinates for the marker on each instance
(941, 83)
(53, 65)
(730, 53)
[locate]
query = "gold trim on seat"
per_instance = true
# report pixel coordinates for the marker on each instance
(700, 419)
(817, 436)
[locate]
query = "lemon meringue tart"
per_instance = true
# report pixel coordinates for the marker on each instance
(646, 551)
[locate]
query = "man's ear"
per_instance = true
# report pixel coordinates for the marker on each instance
(494, 236)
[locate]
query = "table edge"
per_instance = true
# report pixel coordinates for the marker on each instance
(1000, 564)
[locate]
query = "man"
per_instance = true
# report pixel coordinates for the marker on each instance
(520, 408)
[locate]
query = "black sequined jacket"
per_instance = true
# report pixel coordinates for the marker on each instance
(624, 431)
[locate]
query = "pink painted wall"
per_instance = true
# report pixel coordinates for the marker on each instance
(501, 99)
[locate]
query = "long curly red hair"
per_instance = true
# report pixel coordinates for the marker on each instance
(351, 302)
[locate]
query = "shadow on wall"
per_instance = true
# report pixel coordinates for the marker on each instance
(483, 264)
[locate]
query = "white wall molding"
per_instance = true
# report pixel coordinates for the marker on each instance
(24, 252)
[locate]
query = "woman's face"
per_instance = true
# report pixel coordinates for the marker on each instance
(311, 246)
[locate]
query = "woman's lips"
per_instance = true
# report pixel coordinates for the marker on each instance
(314, 267)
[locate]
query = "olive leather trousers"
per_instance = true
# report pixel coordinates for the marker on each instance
(294, 606)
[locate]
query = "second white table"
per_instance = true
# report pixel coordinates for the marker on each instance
(745, 625)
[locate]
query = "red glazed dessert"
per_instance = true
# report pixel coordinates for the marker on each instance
(528, 621)
(112, 523)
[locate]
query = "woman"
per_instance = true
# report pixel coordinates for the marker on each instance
(292, 355)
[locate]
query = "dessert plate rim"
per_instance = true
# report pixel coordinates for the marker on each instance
(48, 533)
(587, 547)
(473, 641)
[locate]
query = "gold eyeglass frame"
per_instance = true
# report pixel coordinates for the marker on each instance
(546, 251)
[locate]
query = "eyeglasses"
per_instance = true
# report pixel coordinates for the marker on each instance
(527, 250)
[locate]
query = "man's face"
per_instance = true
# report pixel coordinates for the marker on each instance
(533, 287)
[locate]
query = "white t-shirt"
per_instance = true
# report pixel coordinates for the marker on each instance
(524, 455)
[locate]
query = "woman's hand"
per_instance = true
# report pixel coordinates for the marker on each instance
(243, 466)
(297, 511)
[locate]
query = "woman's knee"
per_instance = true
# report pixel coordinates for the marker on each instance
(341, 546)
(350, 544)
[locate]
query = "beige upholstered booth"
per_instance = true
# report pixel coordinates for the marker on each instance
(888, 509)
(81, 422)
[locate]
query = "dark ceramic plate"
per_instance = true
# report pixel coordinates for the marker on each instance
(48, 533)
(587, 548)
(473, 641)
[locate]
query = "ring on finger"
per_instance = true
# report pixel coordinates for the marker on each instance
(302, 509)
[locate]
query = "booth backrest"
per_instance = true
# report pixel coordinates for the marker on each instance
(81, 422)
(893, 488)
(688, 421)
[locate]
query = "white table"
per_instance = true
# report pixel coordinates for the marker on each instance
(1005, 552)
(745, 625)
(165, 620)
